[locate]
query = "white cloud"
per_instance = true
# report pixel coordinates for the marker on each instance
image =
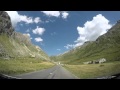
(37, 20)
(65, 15)
(91, 30)
(26, 19)
(58, 49)
(38, 30)
(16, 18)
(68, 46)
(38, 39)
(48, 21)
(52, 13)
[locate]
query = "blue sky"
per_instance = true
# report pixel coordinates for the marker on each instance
(59, 31)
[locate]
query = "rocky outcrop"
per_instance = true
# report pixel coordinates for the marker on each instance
(15, 45)
(5, 24)
(21, 38)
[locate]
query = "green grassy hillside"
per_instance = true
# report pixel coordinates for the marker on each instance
(13, 48)
(106, 46)
(17, 57)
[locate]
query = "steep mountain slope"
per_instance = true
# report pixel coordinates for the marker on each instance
(106, 46)
(16, 45)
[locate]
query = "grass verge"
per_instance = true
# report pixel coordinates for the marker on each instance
(15, 67)
(94, 70)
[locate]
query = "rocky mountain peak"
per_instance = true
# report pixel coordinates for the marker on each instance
(5, 24)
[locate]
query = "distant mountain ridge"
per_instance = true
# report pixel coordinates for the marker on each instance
(16, 45)
(106, 46)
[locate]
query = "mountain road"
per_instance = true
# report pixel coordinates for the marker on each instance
(56, 72)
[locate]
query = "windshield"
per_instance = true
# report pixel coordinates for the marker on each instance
(59, 45)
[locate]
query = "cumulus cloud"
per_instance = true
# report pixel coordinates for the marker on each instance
(38, 30)
(16, 18)
(65, 15)
(38, 39)
(51, 13)
(37, 20)
(91, 30)
(26, 19)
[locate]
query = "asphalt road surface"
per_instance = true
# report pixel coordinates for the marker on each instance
(56, 72)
